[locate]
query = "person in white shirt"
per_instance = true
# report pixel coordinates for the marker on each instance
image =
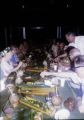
(77, 77)
(75, 41)
(71, 53)
(6, 68)
(6, 65)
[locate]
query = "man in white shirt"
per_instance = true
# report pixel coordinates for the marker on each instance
(77, 77)
(75, 41)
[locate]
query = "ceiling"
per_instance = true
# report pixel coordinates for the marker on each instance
(41, 11)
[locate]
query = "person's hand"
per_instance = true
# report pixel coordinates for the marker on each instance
(57, 59)
(19, 73)
(19, 65)
(24, 65)
(44, 73)
(66, 46)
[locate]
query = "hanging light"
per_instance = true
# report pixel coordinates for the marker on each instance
(23, 6)
(67, 6)
(68, 3)
(37, 27)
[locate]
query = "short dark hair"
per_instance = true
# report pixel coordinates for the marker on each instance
(11, 78)
(69, 49)
(79, 61)
(70, 33)
(12, 47)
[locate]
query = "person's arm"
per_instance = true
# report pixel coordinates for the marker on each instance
(19, 65)
(63, 55)
(60, 56)
(58, 74)
(73, 76)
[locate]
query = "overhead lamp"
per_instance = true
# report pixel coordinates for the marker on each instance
(23, 6)
(37, 28)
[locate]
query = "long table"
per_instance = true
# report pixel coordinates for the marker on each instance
(64, 92)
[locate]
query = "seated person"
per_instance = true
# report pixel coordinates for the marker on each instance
(14, 59)
(77, 77)
(54, 49)
(66, 52)
(26, 47)
(74, 52)
(60, 56)
(70, 52)
(61, 48)
(7, 66)
(64, 64)
(22, 49)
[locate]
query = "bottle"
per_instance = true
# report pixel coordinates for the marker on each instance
(55, 67)
(45, 64)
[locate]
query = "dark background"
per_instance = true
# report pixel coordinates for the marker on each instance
(48, 14)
